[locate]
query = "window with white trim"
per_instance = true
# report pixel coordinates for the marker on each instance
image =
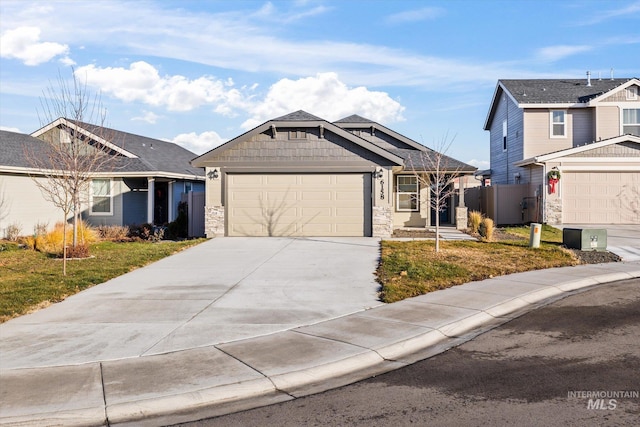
(504, 135)
(631, 121)
(558, 123)
(101, 197)
(407, 193)
(632, 93)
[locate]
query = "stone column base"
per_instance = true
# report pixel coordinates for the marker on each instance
(214, 221)
(382, 221)
(462, 218)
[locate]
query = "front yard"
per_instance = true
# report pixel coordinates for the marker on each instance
(31, 280)
(408, 269)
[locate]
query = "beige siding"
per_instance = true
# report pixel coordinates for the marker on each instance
(25, 205)
(601, 197)
(298, 204)
(537, 134)
(608, 125)
(620, 96)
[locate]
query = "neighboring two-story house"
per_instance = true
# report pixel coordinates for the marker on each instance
(575, 143)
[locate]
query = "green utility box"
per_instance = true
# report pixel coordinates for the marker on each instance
(585, 239)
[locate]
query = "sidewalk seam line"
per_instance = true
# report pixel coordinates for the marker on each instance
(104, 397)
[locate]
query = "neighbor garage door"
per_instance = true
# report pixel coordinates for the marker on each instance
(600, 197)
(298, 204)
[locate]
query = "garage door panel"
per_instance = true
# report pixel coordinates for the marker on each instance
(297, 205)
(315, 195)
(600, 197)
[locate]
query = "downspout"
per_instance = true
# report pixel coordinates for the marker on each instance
(544, 193)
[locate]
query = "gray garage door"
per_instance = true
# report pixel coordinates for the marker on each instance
(299, 204)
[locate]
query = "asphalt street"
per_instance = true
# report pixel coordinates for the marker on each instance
(535, 370)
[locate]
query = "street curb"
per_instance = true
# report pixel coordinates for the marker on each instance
(361, 363)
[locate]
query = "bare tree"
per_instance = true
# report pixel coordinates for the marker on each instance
(68, 160)
(438, 172)
(4, 203)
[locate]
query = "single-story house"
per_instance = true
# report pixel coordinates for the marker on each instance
(144, 184)
(301, 175)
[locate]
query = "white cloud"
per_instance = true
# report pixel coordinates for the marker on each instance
(324, 96)
(141, 82)
(605, 15)
(415, 15)
(24, 44)
(149, 117)
(10, 129)
(555, 53)
(480, 164)
(199, 143)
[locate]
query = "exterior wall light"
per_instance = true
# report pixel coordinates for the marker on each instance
(214, 174)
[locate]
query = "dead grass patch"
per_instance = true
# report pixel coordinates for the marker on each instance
(408, 269)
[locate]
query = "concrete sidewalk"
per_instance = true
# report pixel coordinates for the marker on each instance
(204, 380)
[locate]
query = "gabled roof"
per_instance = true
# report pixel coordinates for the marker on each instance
(153, 155)
(136, 155)
(296, 119)
(569, 151)
(558, 93)
(354, 118)
(426, 160)
(12, 149)
(356, 121)
(299, 115)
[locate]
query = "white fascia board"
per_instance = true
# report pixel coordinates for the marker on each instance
(555, 106)
(612, 168)
(574, 150)
(599, 98)
(65, 122)
(155, 174)
(600, 160)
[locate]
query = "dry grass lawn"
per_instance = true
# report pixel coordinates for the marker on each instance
(408, 269)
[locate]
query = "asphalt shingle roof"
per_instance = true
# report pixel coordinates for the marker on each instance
(153, 155)
(354, 118)
(426, 161)
(550, 91)
(296, 116)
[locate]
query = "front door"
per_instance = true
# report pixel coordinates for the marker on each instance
(161, 203)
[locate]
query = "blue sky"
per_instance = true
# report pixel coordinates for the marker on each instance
(202, 72)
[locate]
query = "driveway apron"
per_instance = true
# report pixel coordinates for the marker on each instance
(223, 290)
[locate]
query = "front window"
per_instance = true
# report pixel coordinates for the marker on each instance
(101, 200)
(631, 121)
(407, 193)
(632, 93)
(558, 125)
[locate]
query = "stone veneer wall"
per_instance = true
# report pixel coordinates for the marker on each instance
(553, 211)
(382, 221)
(214, 221)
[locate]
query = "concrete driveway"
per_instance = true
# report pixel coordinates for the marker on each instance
(622, 240)
(222, 290)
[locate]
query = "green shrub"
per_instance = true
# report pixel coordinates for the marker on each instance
(486, 229)
(180, 227)
(475, 218)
